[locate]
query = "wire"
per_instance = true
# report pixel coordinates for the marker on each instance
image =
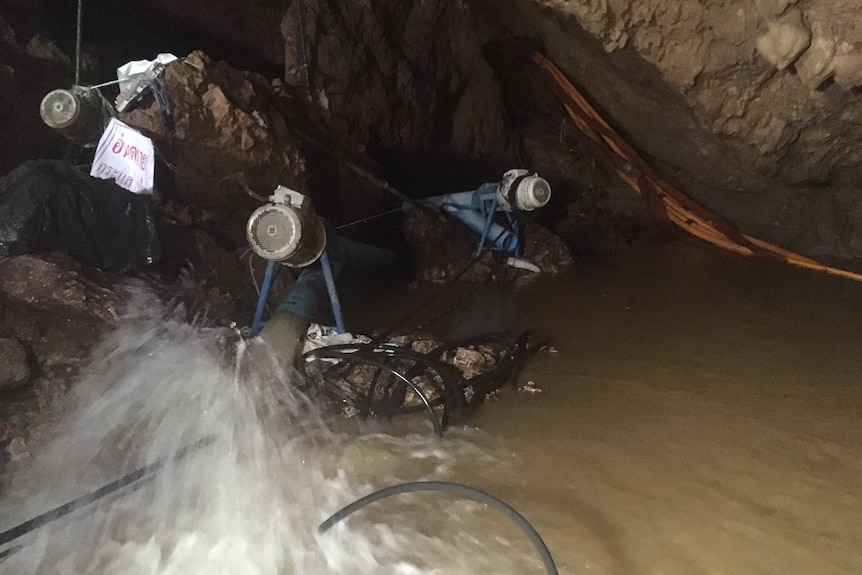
(240, 179)
(460, 490)
(106, 84)
(382, 184)
(435, 421)
(250, 253)
(78, 36)
(369, 218)
(413, 313)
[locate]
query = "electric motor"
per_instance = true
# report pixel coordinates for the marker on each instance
(531, 191)
(287, 230)
(77, 113)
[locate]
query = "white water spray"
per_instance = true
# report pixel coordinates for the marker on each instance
(247, 504)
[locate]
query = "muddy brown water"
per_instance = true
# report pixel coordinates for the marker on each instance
(701, 416)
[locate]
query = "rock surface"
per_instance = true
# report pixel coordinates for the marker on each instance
(442, 248)
(14, 369)
(758, 145)
(52, 311)
(406, 79)
(755, 73)
(227, 134)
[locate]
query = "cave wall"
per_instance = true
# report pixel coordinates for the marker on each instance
(402, 80)
(752, 106)
(407, 80)
(30, 66)
(777, 79)
(776, 195)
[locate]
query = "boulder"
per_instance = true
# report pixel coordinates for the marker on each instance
(784, 40)
(228, 138)
(62, 288)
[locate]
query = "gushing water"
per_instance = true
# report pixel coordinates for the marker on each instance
(249, 502)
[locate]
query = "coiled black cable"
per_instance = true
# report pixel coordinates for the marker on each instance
(407, 364)
(460, 490)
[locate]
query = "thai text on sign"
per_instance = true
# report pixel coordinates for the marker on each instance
(125, 156)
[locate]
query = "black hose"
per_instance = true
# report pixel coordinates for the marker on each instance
(135, 479)
(350, 358)
(460, 490)
(452, 394)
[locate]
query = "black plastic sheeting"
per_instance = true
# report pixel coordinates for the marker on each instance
(48, 205)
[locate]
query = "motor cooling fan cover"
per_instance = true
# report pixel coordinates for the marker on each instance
(275, 231)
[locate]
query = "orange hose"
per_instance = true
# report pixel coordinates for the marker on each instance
(681, 210)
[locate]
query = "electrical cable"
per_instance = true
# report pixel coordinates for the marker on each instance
(136, 479)
(447, 383)
(382, 184)
(413, 313)
(370, 218)
(462, 491)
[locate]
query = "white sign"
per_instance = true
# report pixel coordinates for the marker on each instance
(125, 156)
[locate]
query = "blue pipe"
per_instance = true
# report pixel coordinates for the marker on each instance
(488, 213)
(257, 324)
(333, 293)
(473, 211)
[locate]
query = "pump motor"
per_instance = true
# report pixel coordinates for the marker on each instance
(287, 230)
(531, 191)
(77, 113)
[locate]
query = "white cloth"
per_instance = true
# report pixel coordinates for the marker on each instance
(129, 70)
(319, 336)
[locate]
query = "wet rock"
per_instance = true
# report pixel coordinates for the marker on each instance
(60, 287)
(772, 8)
(14, 368)
(848, 67)
(18, 449)
(470, 362)
(52, 311)
(740, 91)
(441, 248)
(815, 65)
(545, 249)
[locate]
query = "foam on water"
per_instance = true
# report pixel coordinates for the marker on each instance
(249, 503)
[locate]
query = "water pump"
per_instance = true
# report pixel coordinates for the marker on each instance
(78, 113)
(287, 230)
(528, 191)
